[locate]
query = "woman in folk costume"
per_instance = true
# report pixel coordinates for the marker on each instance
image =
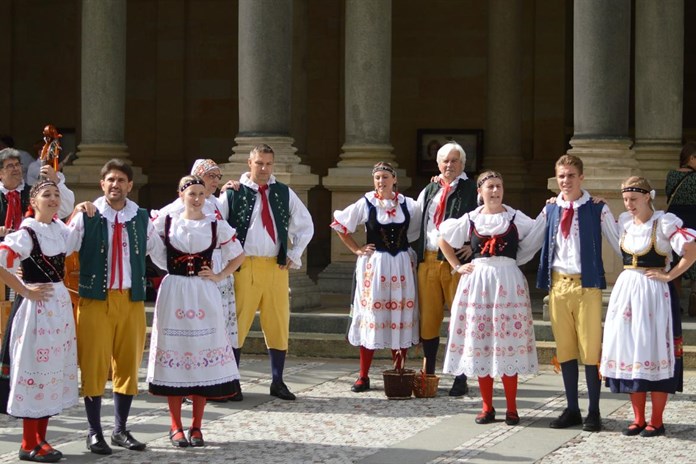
(210, 173)
(39, 350)
(385, 310)
(189, 354)
(491, 329)
(642, 349)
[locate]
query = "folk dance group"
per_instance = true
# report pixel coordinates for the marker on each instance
(400, 290)
(259, 228)
(228, 256)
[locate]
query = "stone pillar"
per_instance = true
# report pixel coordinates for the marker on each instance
(659, 71)
(103, 97)
(367, 123)
(503, 137)
(265, 89)
(601, 79)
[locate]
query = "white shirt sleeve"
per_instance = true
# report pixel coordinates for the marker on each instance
(610, 229)
(156, 249)
(67, 198)
(300, 229)
(455, 231)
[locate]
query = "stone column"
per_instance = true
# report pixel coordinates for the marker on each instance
(601, 79)
(503, 137)
(103, 97)
(265, 95)
(368, 51)
(659, 71)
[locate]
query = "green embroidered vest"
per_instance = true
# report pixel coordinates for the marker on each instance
(460, 202)
(241, 205)
(93, 256)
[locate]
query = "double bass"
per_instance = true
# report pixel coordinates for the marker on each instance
(50, 153)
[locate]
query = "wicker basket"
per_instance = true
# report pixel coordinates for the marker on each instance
(425, 385)
(398, 383)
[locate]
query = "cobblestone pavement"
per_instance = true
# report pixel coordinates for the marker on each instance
(330, 424)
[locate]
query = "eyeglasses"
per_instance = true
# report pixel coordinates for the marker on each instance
(12, 166)
(214, 176)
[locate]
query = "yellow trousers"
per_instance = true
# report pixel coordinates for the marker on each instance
(110, 332)
(576, 319)
(436, 288)
(261, 284)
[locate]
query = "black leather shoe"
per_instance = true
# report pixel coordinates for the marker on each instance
(34, 456)
(485, 417)
(651, 431)
(280, 390)
(125, 440)
(97, 445)
(459, 387)
(361, 385)
(593, 422)
(178, 442)
(512, 418)
(634, 429)
(195, 441)
(567, 419)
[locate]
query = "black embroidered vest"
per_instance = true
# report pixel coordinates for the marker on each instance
(39, 268)
(391, 238)
(188, 264)
(648, 258)
(505, 244)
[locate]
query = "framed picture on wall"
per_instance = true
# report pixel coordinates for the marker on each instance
(429, 142)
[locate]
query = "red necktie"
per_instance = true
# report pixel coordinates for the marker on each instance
(266, 213)
(440, 210)
(117, 255)
(567, 221)
(13, 217)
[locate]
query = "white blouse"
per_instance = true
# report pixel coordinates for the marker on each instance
(637, 238)
(388, 212)
(193, 236)
(456, 231)
(53, 238)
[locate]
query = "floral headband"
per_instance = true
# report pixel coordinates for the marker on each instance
(483, 181)
(388, 169)
(201, 166)
(190, 183)
(639, 190)
(40, 185)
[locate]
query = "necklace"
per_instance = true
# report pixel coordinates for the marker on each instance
(389, 205)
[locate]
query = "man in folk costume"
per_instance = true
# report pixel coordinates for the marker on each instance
(268, 216)
(451, 196)
(571, 269)
(14, 192)
(115, 235)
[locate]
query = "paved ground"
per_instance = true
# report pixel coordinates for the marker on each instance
(329, 424)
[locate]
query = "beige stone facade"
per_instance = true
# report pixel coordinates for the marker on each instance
(182, 82)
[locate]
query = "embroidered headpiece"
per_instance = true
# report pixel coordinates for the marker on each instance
(383, 167)
(483, 181)
(201, 166)
(639, 190)
(190, 183)
(40, 185)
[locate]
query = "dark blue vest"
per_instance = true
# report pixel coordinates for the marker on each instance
(590, 221)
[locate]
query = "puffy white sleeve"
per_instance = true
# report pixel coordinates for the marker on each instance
(76, 227)
(229, 245)
(16, 247)
(610, 229)
(671, 227)
(531, 232)
(67, 198)
(414, 210)
(347, 220)
(456, 231)
(300, 230)
(156, 249)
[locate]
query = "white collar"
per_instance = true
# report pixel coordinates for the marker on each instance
(372, 198)
(461, 176)
(576, 204)
(5, 191)
(126, 214)
(245, 179)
